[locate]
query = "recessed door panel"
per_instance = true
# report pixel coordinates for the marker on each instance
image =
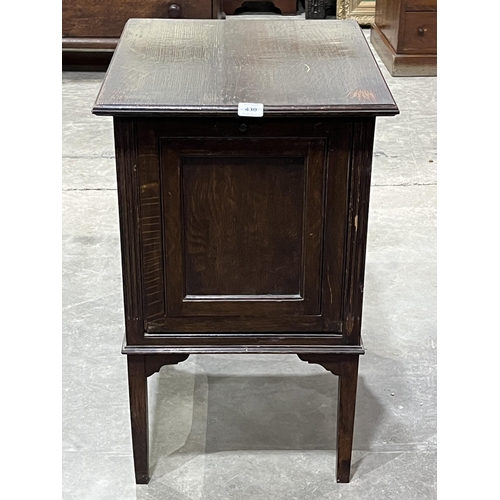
(242, 234)
(243, 226)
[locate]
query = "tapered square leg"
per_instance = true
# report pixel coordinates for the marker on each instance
(140, 367)
(348, 381)
(138, 394)
(346, 369)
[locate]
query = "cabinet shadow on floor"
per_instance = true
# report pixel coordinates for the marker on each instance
(204, 414)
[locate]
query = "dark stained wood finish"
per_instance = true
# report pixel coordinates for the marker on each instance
(321, 267)
(321, 68)
(405, 36)
(363, 135)
(87, 54)
(243, 235)
(91, 28)
(138, 397)
(234, 348)
(128, 205)
(98, 19)
(140, 367)
(346, 368)
(348, 383)
(83, 60)
(154, 362)
(246, 206)
(237, 202)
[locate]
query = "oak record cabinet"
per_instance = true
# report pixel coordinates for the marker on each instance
(243, 234)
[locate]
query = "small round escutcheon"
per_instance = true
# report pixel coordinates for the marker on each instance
(243, 127)
(174, 10)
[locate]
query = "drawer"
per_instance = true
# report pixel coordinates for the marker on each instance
(95, 18)
(420, 33)
(420, 5)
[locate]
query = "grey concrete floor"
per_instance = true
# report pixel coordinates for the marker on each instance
(254, 427)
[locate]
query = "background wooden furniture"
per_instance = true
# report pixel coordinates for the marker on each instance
(91, 28)
(405, 36)
(243, 234)
(286, 7)
(362, 11)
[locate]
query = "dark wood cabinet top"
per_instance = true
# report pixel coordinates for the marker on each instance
(207, 67)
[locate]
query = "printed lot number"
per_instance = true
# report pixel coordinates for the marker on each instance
(250, 109)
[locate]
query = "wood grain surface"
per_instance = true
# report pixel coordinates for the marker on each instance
(243, 226)
(405, 36)
(95, 18)
(195, 67)
(232, 224)
(243, 235)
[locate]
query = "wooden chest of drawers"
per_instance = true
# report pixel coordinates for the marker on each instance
(405, 36)
(91, 28)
